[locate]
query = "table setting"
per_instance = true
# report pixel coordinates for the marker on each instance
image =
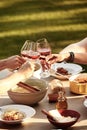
(37, 96)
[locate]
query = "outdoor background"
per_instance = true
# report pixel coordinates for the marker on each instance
(62, 22)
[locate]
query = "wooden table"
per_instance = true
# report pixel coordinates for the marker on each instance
(40, 122)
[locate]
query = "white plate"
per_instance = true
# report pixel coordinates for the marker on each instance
(4, 73)
(70, 67)
(27, 110)
(85, 102)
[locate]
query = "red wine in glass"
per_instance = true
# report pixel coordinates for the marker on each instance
(44, 49)
(29, 50)
(44, 52)
(30, 54)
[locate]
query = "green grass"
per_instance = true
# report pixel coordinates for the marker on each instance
(62, 22)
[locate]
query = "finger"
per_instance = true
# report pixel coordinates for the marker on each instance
(48, 57)
(22, 60)
(52, 60)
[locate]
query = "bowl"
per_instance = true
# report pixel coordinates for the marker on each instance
(11, 111)
(23, 96)
(65, 113)
(78, 87)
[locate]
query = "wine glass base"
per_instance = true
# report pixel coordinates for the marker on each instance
(45, 74)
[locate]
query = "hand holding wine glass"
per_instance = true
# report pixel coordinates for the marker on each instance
(44, 49)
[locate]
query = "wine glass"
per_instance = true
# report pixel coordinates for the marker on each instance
(44, 49)
(29, 51)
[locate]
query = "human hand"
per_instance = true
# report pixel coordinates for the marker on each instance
(45, 65)
(27, 69)
(14, 62)
(54, 58)
(57, 57)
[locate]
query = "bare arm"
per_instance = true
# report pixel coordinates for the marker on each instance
(12, 62)
(79, 47)
(80, 58)
(80, 53)
(24, 72)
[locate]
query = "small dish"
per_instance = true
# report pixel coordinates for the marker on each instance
(64, 113)
(26, 110)
(4, 73)
(70, 67)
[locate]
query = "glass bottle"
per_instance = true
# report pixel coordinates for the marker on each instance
(61, 101)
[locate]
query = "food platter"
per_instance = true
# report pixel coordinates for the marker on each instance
(27, 110)
(70, 67)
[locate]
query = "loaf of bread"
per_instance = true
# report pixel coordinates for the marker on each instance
(81, 78)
